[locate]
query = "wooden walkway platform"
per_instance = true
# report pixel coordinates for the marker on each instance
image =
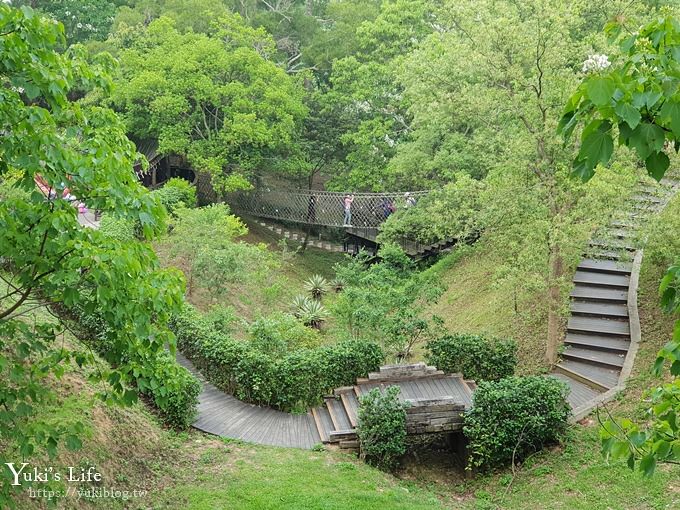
(438, 401)
(603, 329)
(224, 415)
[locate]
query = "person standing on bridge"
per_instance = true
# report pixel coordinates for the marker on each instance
(347, 203)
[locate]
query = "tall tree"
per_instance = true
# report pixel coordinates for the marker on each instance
(217, 99)
(495, 73)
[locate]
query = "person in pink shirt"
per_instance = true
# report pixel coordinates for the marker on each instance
(347, 203)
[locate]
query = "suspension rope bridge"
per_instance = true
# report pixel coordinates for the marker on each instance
(323, 208)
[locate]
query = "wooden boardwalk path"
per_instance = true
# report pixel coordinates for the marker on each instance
(603, 329)
(224, 415)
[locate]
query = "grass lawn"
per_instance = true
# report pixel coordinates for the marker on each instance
(260, 293)
(244, 477)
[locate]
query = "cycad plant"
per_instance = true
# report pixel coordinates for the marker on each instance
(317, 286)
(313, 314)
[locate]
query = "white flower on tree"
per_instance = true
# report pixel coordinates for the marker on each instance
(595, 63)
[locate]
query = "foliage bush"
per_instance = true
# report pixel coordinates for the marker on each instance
(176, 400)
(317, 286)
(121, 229)
(176, 192)
(451, 211)
(514, 417)
(293, 381)
(477, 357)
(382, 428)
(280, 333)
(385, 301)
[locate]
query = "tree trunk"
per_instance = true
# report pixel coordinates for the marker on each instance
(554, 304)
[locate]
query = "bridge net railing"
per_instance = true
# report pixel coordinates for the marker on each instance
(324, 208)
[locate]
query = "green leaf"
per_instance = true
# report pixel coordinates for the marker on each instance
(597, 146)
(600, 90)
(670, 116)
(648, 464)
(637, 438)
(675, 368)
(629, 114)
(657, 164)
(662, 448)
(646, 139)
(73, 442)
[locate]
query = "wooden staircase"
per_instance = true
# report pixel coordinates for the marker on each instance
(599, 329)
(437, 402)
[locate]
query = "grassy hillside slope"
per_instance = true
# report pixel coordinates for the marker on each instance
(474, 303)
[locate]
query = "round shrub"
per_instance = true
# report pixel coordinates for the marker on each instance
(514, 417)
(176, 397)
(382, 428)
(176, 192)
(475, 356)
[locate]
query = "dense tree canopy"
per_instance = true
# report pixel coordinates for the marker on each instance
(217, 100)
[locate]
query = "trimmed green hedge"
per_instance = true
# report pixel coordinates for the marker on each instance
(295, 381)
(476, 356)
(514, 417)
(178, 400)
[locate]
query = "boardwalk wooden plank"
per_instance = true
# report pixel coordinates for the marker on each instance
(606, 266)
(598, 357)
(601, 309)
(579, 393)
(602, 279)
(599, 326)
(610, 343)
(604, 376)
(351, 404)
(599, 293)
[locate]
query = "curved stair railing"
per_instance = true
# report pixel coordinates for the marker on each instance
(603, 330)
